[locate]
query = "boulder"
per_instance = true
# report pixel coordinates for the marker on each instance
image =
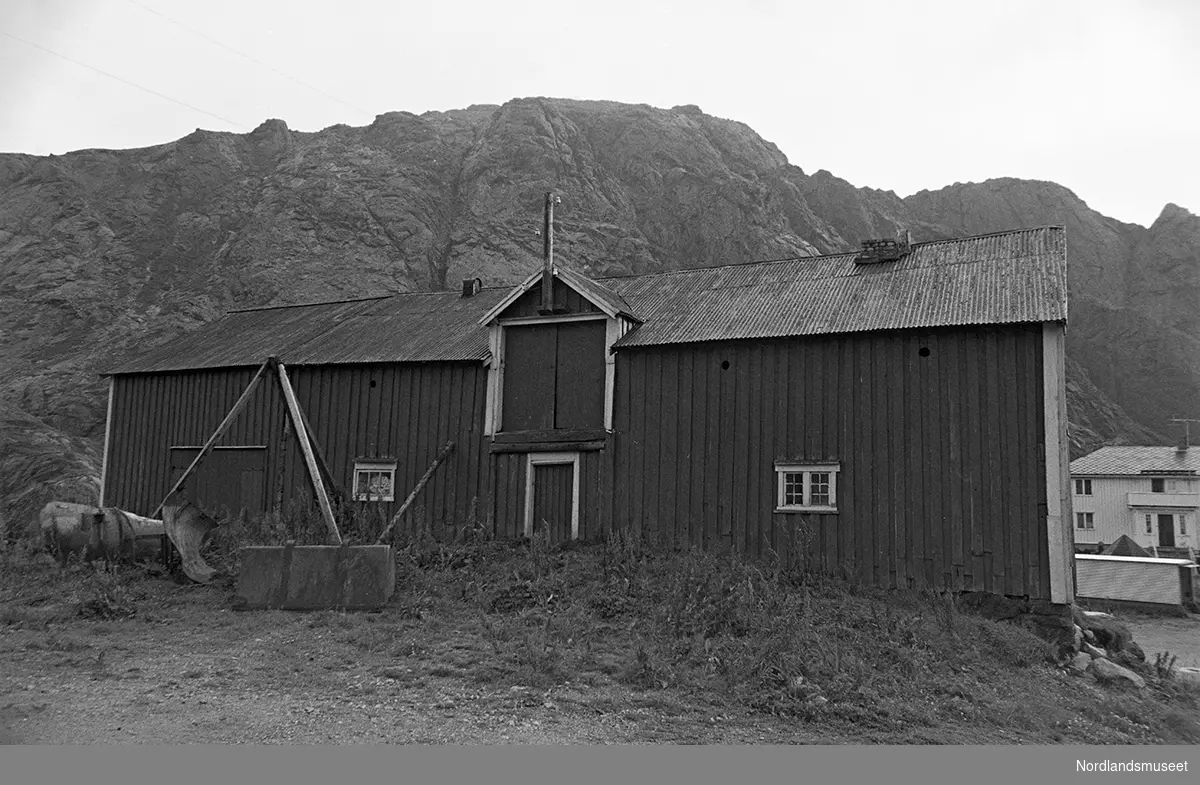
(1130, 655)
(1092, 651)
(1079, 663)
(1106, 631)
(1108, 672)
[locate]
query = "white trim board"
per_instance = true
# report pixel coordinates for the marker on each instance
(493, 416)
(565, 317)
(552, 459)
(1060, 533)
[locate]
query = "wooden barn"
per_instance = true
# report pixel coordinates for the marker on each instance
(896, 413)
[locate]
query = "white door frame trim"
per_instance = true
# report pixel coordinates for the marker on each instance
(534, 459)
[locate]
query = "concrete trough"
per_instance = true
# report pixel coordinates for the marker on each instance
(316, 577)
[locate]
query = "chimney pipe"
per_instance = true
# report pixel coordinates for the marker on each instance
(548, 253)
(1186, 433)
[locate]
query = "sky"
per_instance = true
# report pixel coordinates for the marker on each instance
(1100, 96)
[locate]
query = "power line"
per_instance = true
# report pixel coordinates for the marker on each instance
(212, 40)
(122, 80)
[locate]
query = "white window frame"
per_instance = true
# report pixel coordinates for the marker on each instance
(1085, 521)
(373, 466)
(782, 470)
(552, 459)
(615, 328)
(1083, 487)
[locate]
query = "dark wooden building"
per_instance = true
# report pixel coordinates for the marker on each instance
(899, 416)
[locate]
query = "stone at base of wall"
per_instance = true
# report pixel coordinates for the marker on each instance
(1052, 622)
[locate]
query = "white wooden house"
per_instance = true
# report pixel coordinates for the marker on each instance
(1151, 494)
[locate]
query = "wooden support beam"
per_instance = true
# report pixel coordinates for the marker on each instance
(519, 447)
(216, 436)
(326, 474)
(310, 460)
(421, 484)
(552, 435)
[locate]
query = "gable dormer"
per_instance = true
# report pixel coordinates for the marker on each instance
(552, 370)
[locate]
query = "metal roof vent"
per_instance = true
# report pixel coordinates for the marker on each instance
(471, 287)
(885, 250)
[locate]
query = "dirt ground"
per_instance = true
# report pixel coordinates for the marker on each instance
(274, 677)
(1179, 636)
(186, 667)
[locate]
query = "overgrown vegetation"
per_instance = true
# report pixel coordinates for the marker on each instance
(697, 628)
(682, 635)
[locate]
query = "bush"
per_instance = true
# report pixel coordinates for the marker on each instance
(107, 597)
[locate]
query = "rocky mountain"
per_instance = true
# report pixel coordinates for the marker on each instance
(103, 252)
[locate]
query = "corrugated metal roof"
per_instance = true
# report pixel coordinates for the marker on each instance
(1017, 276)
(420, 327)
(1136, 460)
(603, 297)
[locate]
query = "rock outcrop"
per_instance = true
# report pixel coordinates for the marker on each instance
(103, 252)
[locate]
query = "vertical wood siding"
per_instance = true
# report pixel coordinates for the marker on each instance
(508, 497)
(401, 412)
(942, 479)
(553, 502)
(565, 298)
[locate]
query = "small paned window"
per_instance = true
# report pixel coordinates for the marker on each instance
(806, 487)
(1083, 487)
(374, 481)
(1183, 524)
(1085, 520)
(1157, 485)
(1149, 525)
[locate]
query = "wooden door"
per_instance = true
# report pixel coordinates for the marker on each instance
(554, 376)
(551, 496)
(1166, 531)
(228, 480)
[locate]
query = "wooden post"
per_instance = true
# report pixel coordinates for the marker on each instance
(310, 461)
(548, 254)
(421, 484)
(217, 434)
(285, 433)
(321, 464)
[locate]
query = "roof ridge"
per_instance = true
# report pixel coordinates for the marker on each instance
(309, 305)
(390, 296)
(830, 255)
(847, 274)
(1130, 446)
(1041, 228)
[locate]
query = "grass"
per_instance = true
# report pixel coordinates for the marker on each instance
(684, 636)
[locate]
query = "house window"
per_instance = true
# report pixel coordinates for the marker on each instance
(1149, 525)
(1085, 520)
(374, 481)
(1182, 524)
(806, 487)
(1083, 487)
(1157, 485)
